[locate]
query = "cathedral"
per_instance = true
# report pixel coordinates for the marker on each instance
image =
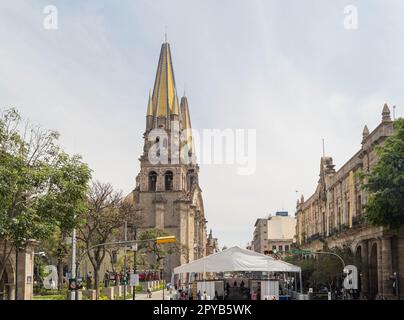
(167, 192)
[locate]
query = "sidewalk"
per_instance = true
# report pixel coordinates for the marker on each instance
(156, 295)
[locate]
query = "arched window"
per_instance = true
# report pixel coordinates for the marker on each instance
(152, 181)
(190, 178)
(168, 180)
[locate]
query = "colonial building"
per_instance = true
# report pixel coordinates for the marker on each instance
(19, 269)
(212, 245)
(167, 192)
(275, 233)
(333, 217)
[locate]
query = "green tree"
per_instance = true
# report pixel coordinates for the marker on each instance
(102, 222)
(323, 270)
(385, 182)
(155, 253)
(41, 187)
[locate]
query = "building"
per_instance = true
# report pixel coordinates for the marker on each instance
(274, 233)
(212, 244)
(167, 193)
(333, 217)
(23, 262)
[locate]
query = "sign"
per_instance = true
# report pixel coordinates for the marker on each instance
(72, 284)
(134, 279)
(168, 239)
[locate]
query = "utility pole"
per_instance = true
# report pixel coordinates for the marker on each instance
(164, 282)
(134, 260)
(17, 249)
(73, 273)
(124, 261)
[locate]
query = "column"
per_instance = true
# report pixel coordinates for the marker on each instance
(386, 267)
(400, 257)
(365, 268)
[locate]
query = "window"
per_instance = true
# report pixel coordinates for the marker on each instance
(280, 248)
(190, 179)
(152, 181)
(168, 180)
(286, 247)
(273, 247)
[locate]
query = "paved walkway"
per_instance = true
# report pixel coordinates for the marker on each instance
(156, 295)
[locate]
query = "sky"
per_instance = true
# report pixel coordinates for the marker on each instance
(288, 69)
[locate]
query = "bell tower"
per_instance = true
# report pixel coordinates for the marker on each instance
(167, 191)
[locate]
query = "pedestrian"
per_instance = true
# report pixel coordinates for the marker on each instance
(205, 296)
(89, 281)
(106, 279)
(199, 295)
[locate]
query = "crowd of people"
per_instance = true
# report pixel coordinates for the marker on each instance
(114, 278)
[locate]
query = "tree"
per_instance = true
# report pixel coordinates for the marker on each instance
(385, 182)
(323, 270)
(100, 223)
(157, 252)
(41, 187)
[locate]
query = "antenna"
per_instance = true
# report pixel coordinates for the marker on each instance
(394, 113)
(165, 34)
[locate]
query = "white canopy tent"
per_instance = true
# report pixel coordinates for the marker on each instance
(236, 259)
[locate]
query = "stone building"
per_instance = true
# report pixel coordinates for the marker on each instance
(167, 191)
(333, 217)
(24, 264)
(274, 233)
(212, 244)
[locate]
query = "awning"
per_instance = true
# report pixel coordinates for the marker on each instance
(237, 259)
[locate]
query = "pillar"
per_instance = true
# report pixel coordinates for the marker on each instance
(386, 267)
(400, 258)
(365, 268)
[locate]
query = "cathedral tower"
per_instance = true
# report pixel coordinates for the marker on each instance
(167, 192)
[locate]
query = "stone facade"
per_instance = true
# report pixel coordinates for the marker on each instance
(24, 274)
(168, 194)
(333, 217)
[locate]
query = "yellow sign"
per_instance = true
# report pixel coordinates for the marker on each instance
(168, 239)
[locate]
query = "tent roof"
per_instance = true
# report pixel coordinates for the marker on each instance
(237, 259)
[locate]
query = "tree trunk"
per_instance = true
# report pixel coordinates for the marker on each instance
(60, 274)
(97, 282)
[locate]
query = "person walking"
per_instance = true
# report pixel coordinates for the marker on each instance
(106, 279)
(89, 281)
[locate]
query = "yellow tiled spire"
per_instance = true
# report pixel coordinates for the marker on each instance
(164, 92)
(185, 118)
(176, 109)
(150, 106)
(186, 121)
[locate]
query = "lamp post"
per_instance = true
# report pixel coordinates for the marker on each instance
(134, 260)
(124, 261)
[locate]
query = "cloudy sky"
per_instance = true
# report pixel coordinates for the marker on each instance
(288, 69)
